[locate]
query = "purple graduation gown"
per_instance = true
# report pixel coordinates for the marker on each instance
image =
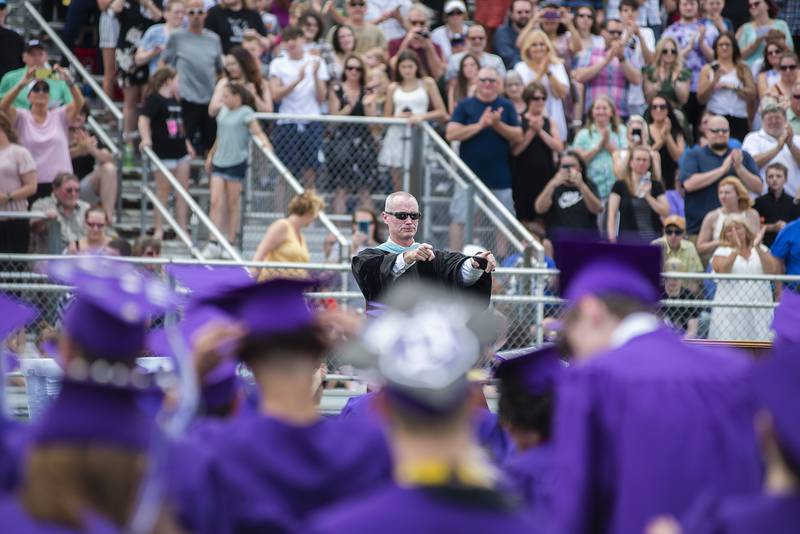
(265, 475)
(14, 519)
(488, 431)
(397, 510)
(642, 429)
(749, 514)
(531, 476)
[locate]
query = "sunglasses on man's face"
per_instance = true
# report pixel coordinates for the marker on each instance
(95, 225)
(455, 12)
(195, 12)
(673, 231)
(403, 215)
(718, 130)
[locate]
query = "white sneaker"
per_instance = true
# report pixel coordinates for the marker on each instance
(212, 251)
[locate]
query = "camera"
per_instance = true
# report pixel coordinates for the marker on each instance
(715, 66)
(363, 227)
(636, 135)
(458, 39)
(425, 34)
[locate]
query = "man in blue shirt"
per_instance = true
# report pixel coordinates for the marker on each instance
(787, 249)
(505, 38)
(487, 126)
(702, 168)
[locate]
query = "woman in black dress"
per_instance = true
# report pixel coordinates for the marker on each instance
(533, 158)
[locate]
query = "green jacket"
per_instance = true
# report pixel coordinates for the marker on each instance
(59, 91)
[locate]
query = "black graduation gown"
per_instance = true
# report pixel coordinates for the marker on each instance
(372, 269)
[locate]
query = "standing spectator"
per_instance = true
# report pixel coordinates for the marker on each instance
(781, 90)
(135, 17)
(367, 35)
(418, 41)
(667, 138)
(751, 36)
(94, 165)
(226, 162)
(504, 41)
(775, 207)
(108, 37)
(733, 200)
(514, 89)
(598, 140)
(476, 45)
(674, 244)
(726, 85)
(712, 12)
(17, 183)
(411, 96)
(642, 41)
(64, 204)
(638, 198)
(770, 72)
(35, 57)
(741, 252)
(775, 142)
(231, 20)
(298, 83)
(155, 38)
(793, 112)
(487, 126)
(609, 71)
(95, 239)
(161, 128)
(703, 167)
(667, 76)
(389, 16)
(541, 64)
(585, 26)
(240, 67)
(450, 37)
(570, 199)
(11, 43)
(311, 23)
(537, 150)
(344, 44)
(558, 25)
(465, 82)
(43, 131)
(196, 54)
(349, 97)
(790, 12)
(284, 242)
(695, 40)
(786, 249)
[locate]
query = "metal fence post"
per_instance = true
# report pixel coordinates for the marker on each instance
(470, 222)
(143, 199)
(54, 244)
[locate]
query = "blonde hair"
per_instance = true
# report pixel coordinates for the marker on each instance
(305, 203)
(627, 176)
(744, 201)
(730, 220)
(660, 52)
(539, 35)
(614, 117)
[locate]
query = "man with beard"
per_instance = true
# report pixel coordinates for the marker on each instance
(400, 257)
(703, 167)
(505, 38)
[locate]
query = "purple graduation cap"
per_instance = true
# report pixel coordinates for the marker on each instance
(206, 280)
(785, 324)
(591, 267)
(112, 307)
(776, 384)
(535, 372)
(13, 315)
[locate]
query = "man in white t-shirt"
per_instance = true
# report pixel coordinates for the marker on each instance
(775, 142)
(298, 82)
(389, 16)
(476, 45)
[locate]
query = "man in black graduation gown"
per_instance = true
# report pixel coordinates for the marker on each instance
(402, 258)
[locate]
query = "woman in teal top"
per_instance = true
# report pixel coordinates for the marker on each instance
(751, 36)
(598, 140)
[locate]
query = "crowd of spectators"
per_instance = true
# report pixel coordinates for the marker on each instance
(614, 116)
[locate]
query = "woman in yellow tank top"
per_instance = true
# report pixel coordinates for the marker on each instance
(284, 241)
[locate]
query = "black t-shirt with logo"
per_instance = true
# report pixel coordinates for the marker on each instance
(231, 25)
(166, 126)
(569, 209)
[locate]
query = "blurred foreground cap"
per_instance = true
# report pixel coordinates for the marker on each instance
(535, 372)
(13, 315)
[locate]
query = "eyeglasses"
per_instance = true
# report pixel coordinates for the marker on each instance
(751, 5)
(43, 88)
(538, 98)
(95, 225)
(670, 51)
(477, 38)
(358, 4)
(455, 12)
(774, 52)
(403, 215)
(195, 12)
(673, 231)
(353, 67)
(72, 190)
(658, 106)
(718, 130)
(788, 67)
(487, 80)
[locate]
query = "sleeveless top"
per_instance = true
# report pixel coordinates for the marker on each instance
(292, 250)
(717, 232)
(727, 101)
(417, 100)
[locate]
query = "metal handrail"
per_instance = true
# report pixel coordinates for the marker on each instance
(297, 187)
(190, 202)
(182, 235)
(102, 135)
(23, 215)
(485, 192)
(387, 121)
(85, 75)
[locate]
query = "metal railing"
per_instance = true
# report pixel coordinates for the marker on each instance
(53, 227)
(190, 203)
(182, 235)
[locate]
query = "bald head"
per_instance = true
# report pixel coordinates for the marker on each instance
(718, 133)
(402, 196)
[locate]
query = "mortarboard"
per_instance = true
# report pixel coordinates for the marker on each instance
(112, 307)
(13, 315)
(776, 382)
(535, 371)
(787, 318)
(591, 267)
(272, 307)
(206, 280)
(423, 345)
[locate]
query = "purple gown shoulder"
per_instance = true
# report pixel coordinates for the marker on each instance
(531, 475)
(397, 510)
(16, 520)
(744, 515)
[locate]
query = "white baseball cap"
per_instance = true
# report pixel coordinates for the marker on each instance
(452, 5)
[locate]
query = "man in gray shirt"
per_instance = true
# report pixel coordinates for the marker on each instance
(196, 53)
